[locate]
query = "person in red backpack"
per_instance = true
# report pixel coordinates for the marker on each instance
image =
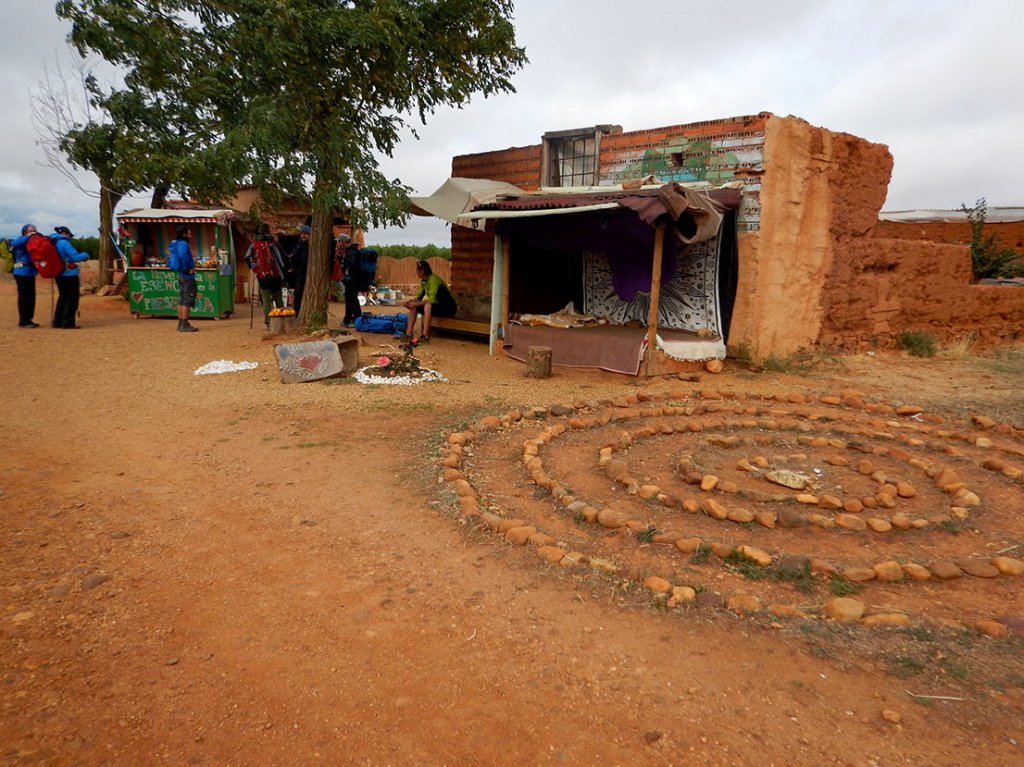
(265, 259)
(69, 283)
(25, 277)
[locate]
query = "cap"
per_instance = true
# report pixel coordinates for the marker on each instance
(342, 238)
(63, 230)
(303, 229)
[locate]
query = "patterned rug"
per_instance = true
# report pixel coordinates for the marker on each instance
(619, 288)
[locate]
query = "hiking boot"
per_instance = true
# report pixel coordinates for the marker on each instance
(184, 327)
(29, 325)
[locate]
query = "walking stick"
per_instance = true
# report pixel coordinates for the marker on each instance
(251, 302)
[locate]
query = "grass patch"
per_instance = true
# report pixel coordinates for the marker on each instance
(801, 578)
(916, 343)
(841, 587)
(701, 555)
(903, 666)
(1009, 361)
(647, 534)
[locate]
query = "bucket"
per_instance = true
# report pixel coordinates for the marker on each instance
(279, 326)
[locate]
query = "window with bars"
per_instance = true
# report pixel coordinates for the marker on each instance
(572, 158)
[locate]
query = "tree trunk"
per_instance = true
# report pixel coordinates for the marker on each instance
(538, 363)
(108, 201)
(160, 192)
(313, 313)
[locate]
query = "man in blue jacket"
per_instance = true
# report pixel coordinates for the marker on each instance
(25, 278)
(183, 262)
(69, 283)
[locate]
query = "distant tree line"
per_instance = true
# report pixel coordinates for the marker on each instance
(413, 251)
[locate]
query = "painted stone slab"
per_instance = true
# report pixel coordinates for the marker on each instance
(308, 361)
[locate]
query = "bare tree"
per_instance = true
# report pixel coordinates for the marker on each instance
(75, 135)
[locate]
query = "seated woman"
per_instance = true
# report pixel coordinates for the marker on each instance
(432, 300)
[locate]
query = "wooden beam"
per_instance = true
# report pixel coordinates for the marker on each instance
(652, 318)
(497, 273)
(506, 251)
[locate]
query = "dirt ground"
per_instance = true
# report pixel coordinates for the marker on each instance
(225, 570)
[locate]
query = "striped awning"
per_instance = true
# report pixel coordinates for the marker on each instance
(219, 216)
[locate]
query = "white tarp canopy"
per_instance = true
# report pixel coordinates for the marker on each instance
(460, 195)
(1003, 215)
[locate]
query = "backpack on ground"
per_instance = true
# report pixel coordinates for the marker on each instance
(367, 267)
(263, 262)
(44, 256)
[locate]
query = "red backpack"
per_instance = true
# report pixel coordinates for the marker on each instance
(44, 256)
(263, 262)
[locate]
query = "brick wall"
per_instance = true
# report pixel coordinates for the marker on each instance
(473, 251)
(715, 151)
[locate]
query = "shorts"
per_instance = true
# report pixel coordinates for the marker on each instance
(438, 310)
(186, 291)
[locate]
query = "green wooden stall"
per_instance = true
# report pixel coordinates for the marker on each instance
(146, 236)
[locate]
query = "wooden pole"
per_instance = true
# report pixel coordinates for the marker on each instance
(652, 318)
(497, 289)
(506, 250)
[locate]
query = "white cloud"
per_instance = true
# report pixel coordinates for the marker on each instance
(937, 82)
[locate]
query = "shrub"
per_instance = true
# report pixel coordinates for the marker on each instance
(916, 343)
(988, 259)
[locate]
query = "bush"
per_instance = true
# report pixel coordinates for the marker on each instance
(988, 259)
(413, 251)
(90, 245)
(916, 343)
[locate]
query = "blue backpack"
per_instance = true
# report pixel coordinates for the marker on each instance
(387, 323)
(367, 267)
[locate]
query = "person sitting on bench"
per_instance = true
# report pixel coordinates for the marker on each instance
(432, 300)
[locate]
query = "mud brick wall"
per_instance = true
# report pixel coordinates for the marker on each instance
(1008, 235)
(820, 196)
(883, 287)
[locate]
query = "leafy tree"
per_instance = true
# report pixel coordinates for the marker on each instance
(988, 259)
(301, 96)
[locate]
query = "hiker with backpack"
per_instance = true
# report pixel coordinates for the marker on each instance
(265, 259)
(25, 278)
(351, 277)
(299, 261)
(69, 283)
(181, 260)
(432, 300)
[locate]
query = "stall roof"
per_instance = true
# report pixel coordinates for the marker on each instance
(995, 215)
(179, 216)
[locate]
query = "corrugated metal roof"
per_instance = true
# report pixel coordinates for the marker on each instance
(635, 199)
(995, 215)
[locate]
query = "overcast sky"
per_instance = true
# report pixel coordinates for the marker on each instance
(938, 82)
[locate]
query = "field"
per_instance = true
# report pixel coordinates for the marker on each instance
(497, 570)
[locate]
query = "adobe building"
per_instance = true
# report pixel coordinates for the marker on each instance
(809, 265)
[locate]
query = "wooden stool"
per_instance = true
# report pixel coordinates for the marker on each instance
(539, 363)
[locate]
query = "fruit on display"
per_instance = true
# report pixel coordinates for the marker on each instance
(277, 312)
